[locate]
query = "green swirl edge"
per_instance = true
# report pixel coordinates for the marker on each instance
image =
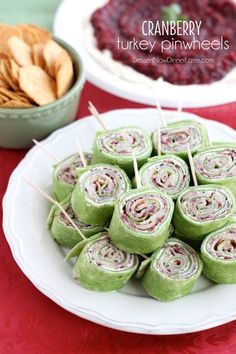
(229, 182)
(65, 235)
(218, 270)
(94, 278)
(126, 163)
(192, 231)
(88, 211)
(133, 241)
(183, 154)
(166, 289)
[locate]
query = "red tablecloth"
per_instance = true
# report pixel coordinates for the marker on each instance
(30, 323)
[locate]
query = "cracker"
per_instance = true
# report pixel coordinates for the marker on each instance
(29, 37)
(8, 93)
(4, 98)
(3, 83)
(15, 104)
(38, 55)
(63, 56)
(6, 63)
(51, 52)
(14, 70)
(3, 56)
(64, 77)
(7, 31)
(24, 99)
(14, 96)
(4, 69)
(43, 34)
(37, 84)
(34, 69)
(23, 94)
(20, 51)
(33, 34)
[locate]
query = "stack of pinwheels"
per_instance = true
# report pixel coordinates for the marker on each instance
(131, 207)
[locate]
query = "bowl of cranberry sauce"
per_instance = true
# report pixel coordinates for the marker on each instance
(183, 42)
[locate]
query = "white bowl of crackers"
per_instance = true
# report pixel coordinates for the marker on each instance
(41, 79)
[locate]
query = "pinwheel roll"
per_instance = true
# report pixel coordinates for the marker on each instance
(174, 270)
(141, 220)
(101, 266)
(202, 209)
(218, 252)
(167, 172)
(232, 218)
(116, 147)
(96, 191)
(217, 165)
(61, 229)
(176, 136)
(65, 175)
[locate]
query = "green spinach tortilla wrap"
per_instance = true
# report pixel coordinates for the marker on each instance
(168, 172)
(232, 218)
(61, 229)
(217, 165)
(65, 175)
(201, 210)
(141, 220)
(101, 266)
(173, 271)
(176, 136)
(116, 147)
(218, 252)
(97, 189)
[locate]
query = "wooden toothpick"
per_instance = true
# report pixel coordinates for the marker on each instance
(144, 256)
(81, 154)
(190, 158)
(137, 176)
(158, 141)
(163, 120)
(53, 201)
(52, 157)
(94, 112)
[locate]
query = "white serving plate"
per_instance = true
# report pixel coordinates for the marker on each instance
(68, 23)
(131, 309)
